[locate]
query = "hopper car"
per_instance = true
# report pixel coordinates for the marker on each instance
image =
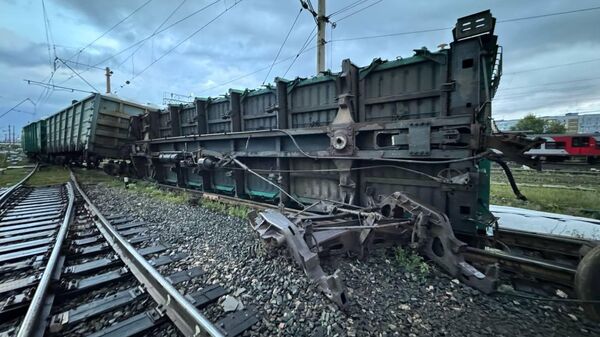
(87, 131)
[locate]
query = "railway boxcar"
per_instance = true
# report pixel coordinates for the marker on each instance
(33, 138)
(563, 147)
(89, 130)
(418, 124)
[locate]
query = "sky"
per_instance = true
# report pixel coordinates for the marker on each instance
(551, 63)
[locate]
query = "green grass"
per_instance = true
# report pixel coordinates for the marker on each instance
(12, 176)
(239, 211)
(412, 262)
(154, 191)
(49, 175)
(574, 193)
(557, 200)
(583, 179)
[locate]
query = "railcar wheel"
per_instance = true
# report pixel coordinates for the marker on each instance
(587, 282)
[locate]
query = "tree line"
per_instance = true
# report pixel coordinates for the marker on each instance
(536, 125)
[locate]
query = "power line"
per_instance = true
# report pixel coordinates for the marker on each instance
(187, 38)
(46, 29)
(550, 83)
(111, 28)
(448, 28)
(283, 44)
(547, 89)
(151, 36)
(551, 14)
(76, 73)
(80, 64)
(367, 37)
(311, 35)
(348, 7)
(552, 66)
(14, 107)
(358, 11)
(256, 71)
(157, 28)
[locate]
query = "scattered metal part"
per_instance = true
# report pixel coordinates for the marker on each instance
(433, 237)
(276, 229)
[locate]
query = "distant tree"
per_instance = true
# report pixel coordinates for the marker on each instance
(530, 123)
(555, 127)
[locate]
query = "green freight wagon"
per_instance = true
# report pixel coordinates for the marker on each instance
(33, 139)
(92, 129)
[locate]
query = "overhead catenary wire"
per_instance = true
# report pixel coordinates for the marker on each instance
(550, 84)
(524, 18)
(552, 66)
(47, 32)
(154, 32)
(311, 35)
(282, 44)
(346, 8)
(17, 105)
(51, 46)
(110, 29)
(357, 11)
(81, 77)
(135, 44)
(385, 35)
(80, 64)
(187, 38)
(254, 72)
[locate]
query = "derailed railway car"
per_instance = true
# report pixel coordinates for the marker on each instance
(417, 124)
(87, 131)
(395, 151)
(33, 139)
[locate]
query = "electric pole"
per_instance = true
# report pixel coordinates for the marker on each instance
(108, 73)
(321, 20)
(321, 25)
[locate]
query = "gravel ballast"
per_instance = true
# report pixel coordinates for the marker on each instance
(385, 300)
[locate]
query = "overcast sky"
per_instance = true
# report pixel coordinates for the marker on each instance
(246, 38)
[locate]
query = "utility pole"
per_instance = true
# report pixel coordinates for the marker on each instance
(321, 25)
(108, 73)
(321, 20)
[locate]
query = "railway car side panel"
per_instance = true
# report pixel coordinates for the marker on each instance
(417, 125)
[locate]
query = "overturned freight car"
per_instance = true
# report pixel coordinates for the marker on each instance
(87, 131)
(417, 124)
(392, 151)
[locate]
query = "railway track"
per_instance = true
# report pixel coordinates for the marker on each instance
(67, 270)
(6, 191)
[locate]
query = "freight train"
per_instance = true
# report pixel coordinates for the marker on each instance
(87, 131)
(419, 124)
(558, 148)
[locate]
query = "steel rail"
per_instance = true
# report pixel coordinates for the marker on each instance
(33, 318)
(4, 196)
(181, 312)
(563, 275)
